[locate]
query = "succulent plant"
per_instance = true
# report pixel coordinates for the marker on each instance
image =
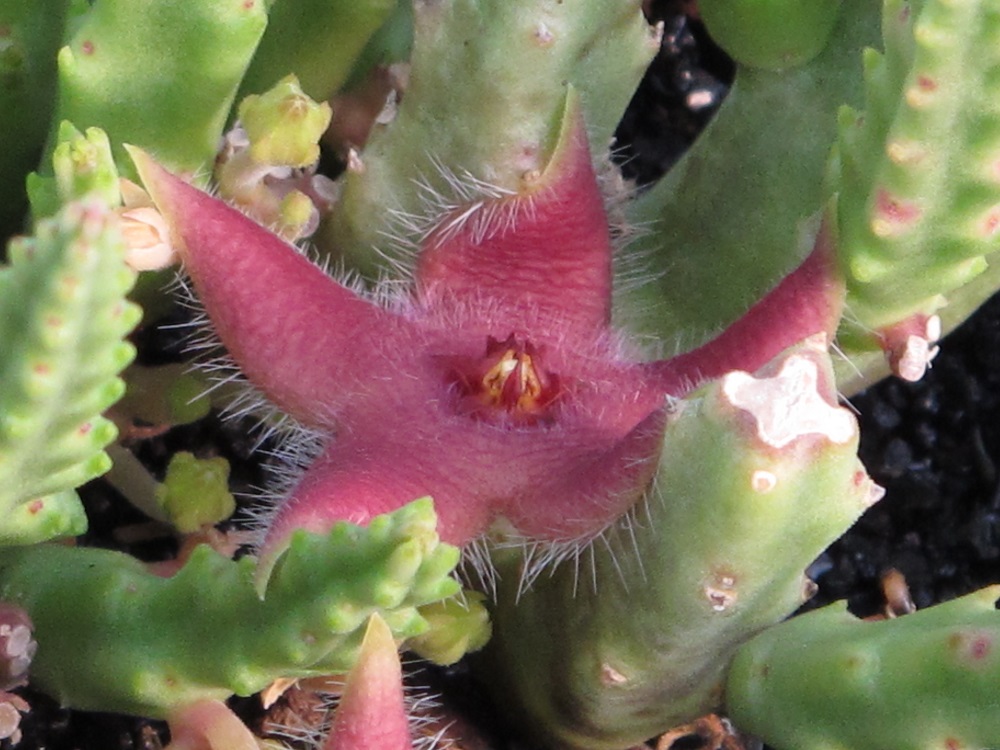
(622, 407)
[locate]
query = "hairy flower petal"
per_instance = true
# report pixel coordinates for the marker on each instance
(545, 251)
(301, 337)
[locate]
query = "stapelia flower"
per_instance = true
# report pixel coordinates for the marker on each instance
(497, 386)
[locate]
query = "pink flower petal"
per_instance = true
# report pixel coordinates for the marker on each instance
(372, 713)
(545, 252)
(298, 335)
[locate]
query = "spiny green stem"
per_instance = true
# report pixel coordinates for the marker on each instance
(63, 315)
(115, 637)
(916, 172)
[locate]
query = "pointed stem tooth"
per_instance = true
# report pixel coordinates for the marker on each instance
(909, 345)
(209, 725)
(372, 712)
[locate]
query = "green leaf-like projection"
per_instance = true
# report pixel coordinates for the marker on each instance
(827, 679)
(115, 637)
(484, 104)
(63, 315)
(159, 74)
(919, 191)
(772, 34)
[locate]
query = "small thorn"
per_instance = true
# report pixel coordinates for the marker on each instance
(612, 677)
(354, 162)
(544, 35)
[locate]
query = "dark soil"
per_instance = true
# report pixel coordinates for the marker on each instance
(935, 445)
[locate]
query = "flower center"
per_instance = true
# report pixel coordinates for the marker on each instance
(510, 382)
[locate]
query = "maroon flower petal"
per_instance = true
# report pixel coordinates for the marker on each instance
(305, 340)
(545, 252)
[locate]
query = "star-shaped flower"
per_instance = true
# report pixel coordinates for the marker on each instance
(498, 387)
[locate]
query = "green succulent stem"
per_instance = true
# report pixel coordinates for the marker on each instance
(146, 645)
(743, 207)
(158, 74)
(635, 633)
(916, 169)
(317, 40)
(503, 69)
(771, 34)
(826, 679)
(31, 31)
(63, 316)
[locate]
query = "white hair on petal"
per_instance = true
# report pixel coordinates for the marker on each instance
(449, 202)
(419, 701)
(292, 445)
(541, 557)
(477, 569)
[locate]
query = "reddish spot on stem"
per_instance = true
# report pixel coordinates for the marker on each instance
(85, 428)
(87, 47)
(894, 210)
(992, 222)
(35, 506)
(41, 369)
(980, 647)
(952, 744)
(975, 646)
(859, 478)
(248, 4)
(925, 83)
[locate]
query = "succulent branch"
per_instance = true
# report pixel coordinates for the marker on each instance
(637, 444)
(319, 41)
(156, 73)
(506, 80)
(828, 679)
(31, 32)
(773, 458)
(150, 645)
(63, 315)
(774, 35)
(916, 173)
(767, 146)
